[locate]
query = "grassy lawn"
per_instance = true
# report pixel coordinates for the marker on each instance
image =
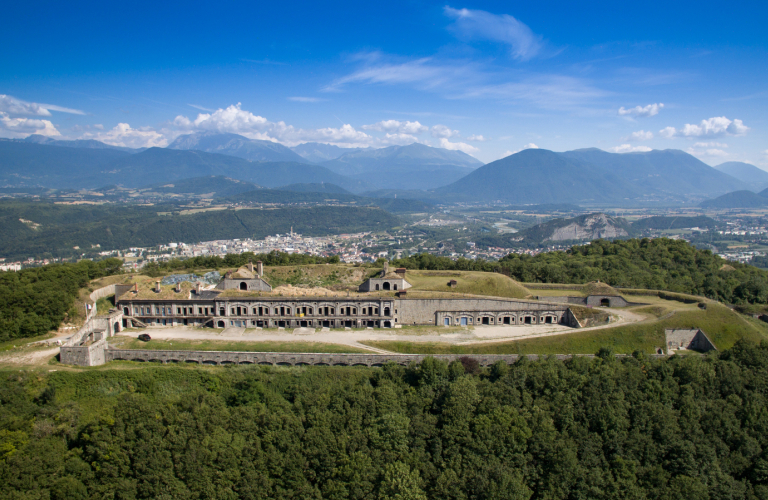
(19, 343)
(471, 282)
(723, 326)
(223, 345)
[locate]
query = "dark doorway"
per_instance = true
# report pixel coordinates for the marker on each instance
(605, 303)
(386, 311)
(506, 320)
(220, 324)
(377, 286)
(387, 324)
(486, 321)
(385, 286)
(548, 319)
(243, 285)
(528, 320)
(126, 312)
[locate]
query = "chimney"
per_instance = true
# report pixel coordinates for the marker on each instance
(400, 272)
(178, 287)
(250, 266)
(259, 268)
(135, 288)
(385, 270)
(197, 288)
(157, 286)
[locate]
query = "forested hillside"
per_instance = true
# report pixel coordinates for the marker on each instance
(55, 230)
(659, 264)
(35, 301)
(604, 428)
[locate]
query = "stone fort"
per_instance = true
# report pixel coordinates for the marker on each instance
(252, 306)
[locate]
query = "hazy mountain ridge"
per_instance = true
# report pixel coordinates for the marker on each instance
(415, 166)
(317, 152)
(235, 145)
(591, 175)
(756, 178)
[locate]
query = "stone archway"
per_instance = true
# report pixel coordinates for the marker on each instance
(385, 286)
(243, 286)
(605, 302)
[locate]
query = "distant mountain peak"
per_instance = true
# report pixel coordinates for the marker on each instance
(235, 145)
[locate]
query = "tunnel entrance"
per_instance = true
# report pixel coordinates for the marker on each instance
(385, 286)
(243, 285)
(605, 303)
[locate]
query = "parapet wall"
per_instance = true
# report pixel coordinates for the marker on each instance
(89, 355)
(422, 311)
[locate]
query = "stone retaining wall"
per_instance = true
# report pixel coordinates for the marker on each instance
(297, 359)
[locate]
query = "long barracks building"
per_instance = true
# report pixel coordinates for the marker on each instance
(243, 299)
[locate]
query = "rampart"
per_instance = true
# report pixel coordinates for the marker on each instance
(84, 355)
(309, 359)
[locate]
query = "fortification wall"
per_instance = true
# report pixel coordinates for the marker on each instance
(89, 355)
(423, 311)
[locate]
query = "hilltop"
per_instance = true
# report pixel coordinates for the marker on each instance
(236, 145)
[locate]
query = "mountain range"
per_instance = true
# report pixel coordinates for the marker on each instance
(235, 145)
(416, 171)
(591, 176)
(738, 199)
(415, 166)
(756, 178)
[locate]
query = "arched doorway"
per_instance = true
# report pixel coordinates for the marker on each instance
(385, 286)
(605, 303)
(126, 311)
(220, 324)
(243, 285)
(115, 328)
(386, 311)
(394, 287)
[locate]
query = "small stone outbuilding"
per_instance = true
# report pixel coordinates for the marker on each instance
(693, 339)
(245, 279)
(386, 281)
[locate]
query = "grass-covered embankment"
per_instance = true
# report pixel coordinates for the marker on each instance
(222, 345)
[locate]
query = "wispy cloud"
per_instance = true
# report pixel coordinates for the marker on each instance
(640, 135)
(642, 111)
(13, 106)
(718, 126)
(458, 146)
(201, 108)
(469, 25)
(396, 126)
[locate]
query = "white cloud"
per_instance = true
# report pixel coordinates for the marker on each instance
(306, 99)
(643, 111)
(710, 145)
(480, 25)
(710, 152)
(99, 126)
(201, 108)
(398, 139)
(476, 138)
(396, 126)
(640, 135)
(718, 126)
(16, 128)
(443, 132)
(460, 79)
(13, 106)
(628, 148)
(458, 146)
(236, 120)
(123, 135)
(530, 145)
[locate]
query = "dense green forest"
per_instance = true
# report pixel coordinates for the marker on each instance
(63, 227)
(35, 301)
(659, 264)
(602, 428)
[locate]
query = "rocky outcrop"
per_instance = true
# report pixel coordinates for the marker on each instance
(593, 227)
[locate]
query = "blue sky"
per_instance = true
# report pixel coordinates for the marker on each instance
(488, 78)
